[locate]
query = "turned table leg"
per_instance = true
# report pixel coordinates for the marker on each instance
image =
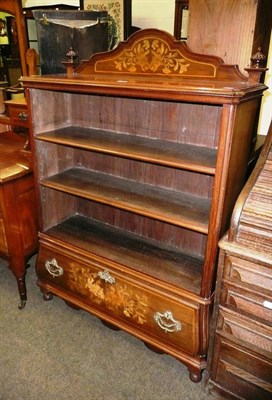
(22, 291)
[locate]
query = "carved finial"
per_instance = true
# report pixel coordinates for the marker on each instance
(258, 60)
(257, 67)
(72, 62)
(71, 55)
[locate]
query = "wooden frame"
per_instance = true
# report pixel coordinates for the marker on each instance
(180, 7)
(14, 8)
(123, 17)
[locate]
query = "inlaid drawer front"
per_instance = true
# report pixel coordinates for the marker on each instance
(253, 303)
(248, 272)
(108, 290)
(248, 331)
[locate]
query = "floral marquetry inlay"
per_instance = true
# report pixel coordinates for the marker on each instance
(117, 297)
(153, 55)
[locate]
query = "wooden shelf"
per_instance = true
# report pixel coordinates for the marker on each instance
(167, 264)
(173, 154)
(177, 208)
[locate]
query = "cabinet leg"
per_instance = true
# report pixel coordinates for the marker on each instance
(195, 375)
(47, 296)
(22, 291)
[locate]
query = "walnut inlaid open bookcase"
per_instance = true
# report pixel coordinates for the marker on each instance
(139, 156)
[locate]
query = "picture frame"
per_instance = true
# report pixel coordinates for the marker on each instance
(119, 12)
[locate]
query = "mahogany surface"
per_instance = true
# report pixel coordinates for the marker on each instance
(18, 210)
(138, 161)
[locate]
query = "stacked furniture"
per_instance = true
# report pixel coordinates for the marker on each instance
(139, 157)
(241, 357)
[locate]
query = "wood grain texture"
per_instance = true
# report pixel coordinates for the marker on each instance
(232, 30)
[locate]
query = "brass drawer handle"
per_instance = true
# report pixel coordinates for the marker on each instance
(23, 116)
(167, 322)
(53, 268)
(105, 276)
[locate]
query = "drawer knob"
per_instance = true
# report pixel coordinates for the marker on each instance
(267, 304)
(23, 116)
(167, 322)
(105, 276)
(53, 268)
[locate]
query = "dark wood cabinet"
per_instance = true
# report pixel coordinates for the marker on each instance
(241, 354)
(18, 209)
(139, 158)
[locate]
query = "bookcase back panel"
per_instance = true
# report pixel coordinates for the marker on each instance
(179, 122)
(64, 157)
(58, 206)
(152, 174)
(186, 240)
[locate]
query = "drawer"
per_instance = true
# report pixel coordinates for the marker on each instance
(237, 371)
(252, 303)
(18, 116)
(250, 333)
(107, 291)
(248, 272)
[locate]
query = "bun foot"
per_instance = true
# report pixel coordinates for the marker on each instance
(47, 296)
(195, 376)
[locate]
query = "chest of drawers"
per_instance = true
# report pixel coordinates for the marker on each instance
(241, 360)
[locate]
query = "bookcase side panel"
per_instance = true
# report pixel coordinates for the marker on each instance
(53, 159)
(52, 110)
(55, 207)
